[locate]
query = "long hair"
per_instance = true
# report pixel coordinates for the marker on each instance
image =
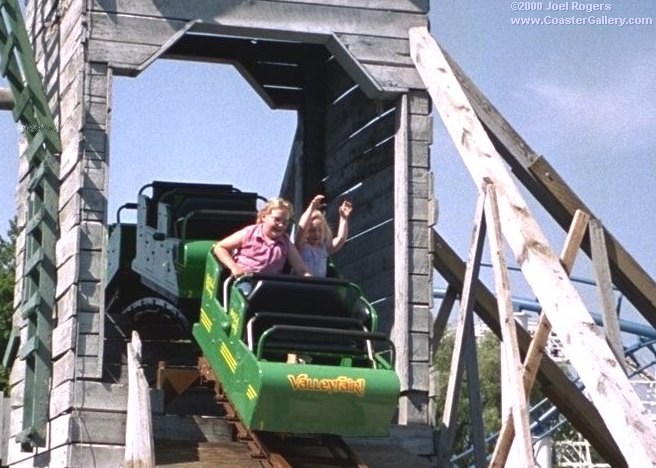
(326, 233)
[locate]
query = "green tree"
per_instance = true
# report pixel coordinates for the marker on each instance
(7, 279)
(490, 390)
(488, 355)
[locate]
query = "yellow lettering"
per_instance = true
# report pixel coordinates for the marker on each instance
(209, 283)
(341, 384)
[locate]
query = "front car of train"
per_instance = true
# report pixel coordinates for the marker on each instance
(298, 355)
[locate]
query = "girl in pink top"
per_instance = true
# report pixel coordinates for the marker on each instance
(262, 247)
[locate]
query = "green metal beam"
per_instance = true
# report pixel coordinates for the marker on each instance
(37, 305)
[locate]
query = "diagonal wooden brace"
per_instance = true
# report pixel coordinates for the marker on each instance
(540, 338)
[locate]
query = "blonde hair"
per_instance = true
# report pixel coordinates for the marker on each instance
(326, 233)
(275, 204)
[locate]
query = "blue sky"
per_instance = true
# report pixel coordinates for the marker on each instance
(582, 95)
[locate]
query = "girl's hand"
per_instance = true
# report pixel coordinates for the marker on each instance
(345, 209)
(317, 202)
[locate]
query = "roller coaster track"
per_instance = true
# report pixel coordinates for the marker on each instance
(276, 450)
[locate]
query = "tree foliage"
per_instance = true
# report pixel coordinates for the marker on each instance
(7, 281)
(488, 354)
(490, 390)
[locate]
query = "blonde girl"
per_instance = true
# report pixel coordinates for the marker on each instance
(263, 247)
(314, 239)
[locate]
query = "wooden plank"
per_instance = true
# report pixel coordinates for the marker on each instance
(448, 426)
(539, 341)
(421, 318)
(347, 166)
(84, 266)
(473, 391)
(582, 344)
(377, 50)
(350, 115)
(599, 254)
(516, 391)
(124, 58)
(437, 332)
(394, 78)
(553, 193)
(400, 331)
(147, 30)
(556, 385)
(64, 337)
(139, 443)
(339, 81)
(69, 367)
(92, 396)
(274, 20)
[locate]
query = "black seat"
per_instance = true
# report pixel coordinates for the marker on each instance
(306, 314)
(200, 211)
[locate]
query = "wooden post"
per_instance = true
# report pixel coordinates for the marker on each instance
(583, 344)
(510, 348)
(599, 255)
(439, 325)
(139, 444)
(539, 341)
(401, 329)
(447, 430)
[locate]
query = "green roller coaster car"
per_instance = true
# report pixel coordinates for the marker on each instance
(295, 355)
(341, 379)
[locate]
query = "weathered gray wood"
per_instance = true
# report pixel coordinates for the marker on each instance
(4, 429)
(421, 318)
(357, 164)
(377, 50)
(400, 332)
(350, 115)
(447, 427)
(84, 266)
(269, 19)
(92, 396)
(599, 254)
(473, 392)
(125, 58)
(69, 366)
(539, 341)
(516, 392)
(64, 337)
(139, 443)
(582, 344)
(437, 332)
(556, 385)
(549, 188)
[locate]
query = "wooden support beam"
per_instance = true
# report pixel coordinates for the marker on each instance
(554, 382)
(447, 429)
(139, 443)
(474, 392)
(437, 332)
(539, 341)
(401, 330)
(583, 345)
(601, 268)
(510, 349)
(547, 186)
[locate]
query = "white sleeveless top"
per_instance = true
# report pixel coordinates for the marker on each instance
(315, 258)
